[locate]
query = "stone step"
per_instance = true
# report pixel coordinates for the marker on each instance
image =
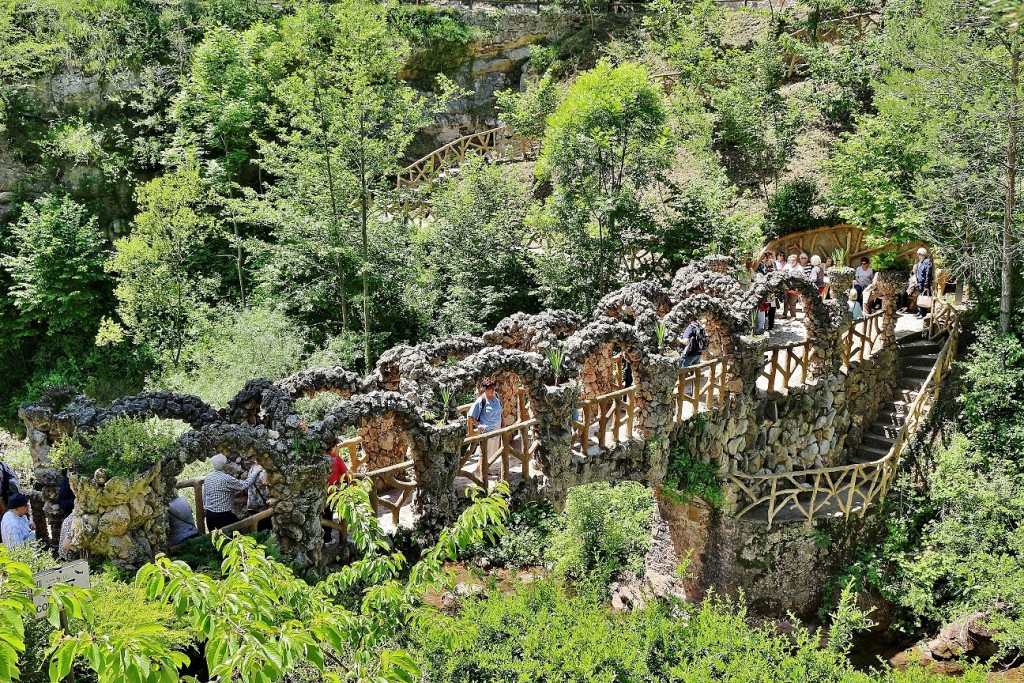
(920, 348)
(917, 372)
(912, 383)
(875, 440)
(927, 359)
(872, 453)
(887, 428)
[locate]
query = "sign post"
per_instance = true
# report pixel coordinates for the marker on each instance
(73, 574)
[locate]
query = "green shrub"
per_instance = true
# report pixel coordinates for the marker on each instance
(526, 539)
(541, 634)
(604, 530)
(124, 447)
(689, 477)
(794, 207)
(891, 260)
(199, 552)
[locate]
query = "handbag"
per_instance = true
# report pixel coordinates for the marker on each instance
(924, 301)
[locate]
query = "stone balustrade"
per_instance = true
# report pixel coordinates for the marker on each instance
(588, 401)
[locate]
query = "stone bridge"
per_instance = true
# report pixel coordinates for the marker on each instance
(602, 400)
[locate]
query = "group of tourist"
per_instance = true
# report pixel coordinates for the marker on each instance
(861, 298)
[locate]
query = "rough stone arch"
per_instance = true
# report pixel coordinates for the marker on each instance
(411, 370)
(538, 332)
(817, 317)
(165, 405)
(691, 281)
(588, 354)
(641, 303)
(388, 423)
(307, 383)
(508, 367)
(723, 322)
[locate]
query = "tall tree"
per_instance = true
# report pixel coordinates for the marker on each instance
(163, 283)
(956, 74)
(342, 125)
(605, 145)
(222, 110)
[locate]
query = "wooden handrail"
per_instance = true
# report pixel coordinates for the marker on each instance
(841, 484)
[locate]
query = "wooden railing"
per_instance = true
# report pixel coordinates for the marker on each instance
(942, 318)
(847, 489)
(496, 143)
(396, 479)
(862, 338)
(612, 415)
(701, 387)
(784, 363)
(480, 450)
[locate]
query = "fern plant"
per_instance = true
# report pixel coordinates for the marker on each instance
(556, 356)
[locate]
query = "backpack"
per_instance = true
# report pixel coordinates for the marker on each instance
(699, 341)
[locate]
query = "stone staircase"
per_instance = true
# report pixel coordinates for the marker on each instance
(917, 358)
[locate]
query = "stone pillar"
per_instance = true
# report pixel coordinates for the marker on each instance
(120, 518)
(43, 431)
(888, 284)
(554, 406)
(298, 495)
(655, 410)
(596, 376)
(435, 454)
(840, 283)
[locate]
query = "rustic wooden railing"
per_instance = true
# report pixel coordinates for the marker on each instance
(942, 318)
(862, 338)
(785, 362)
(494, 143)
(825, 32)
(608, 418)
(847, 489)
(396, 480)
(480, 450)
(701, 387)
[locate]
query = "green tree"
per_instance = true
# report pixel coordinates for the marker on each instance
(222, 109)
(605, 145)
(757, 123)
(473, 261)
(956, 72)
(342, 126)
(55, 257)
(873, 178)
(164, 283)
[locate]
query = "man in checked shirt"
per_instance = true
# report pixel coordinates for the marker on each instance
(219, 491)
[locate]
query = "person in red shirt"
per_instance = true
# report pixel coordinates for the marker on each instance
(339, 473)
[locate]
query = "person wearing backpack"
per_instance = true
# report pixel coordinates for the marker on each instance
(695, 342)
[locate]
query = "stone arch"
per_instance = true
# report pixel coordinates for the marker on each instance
(508, 367)
(691, 281)
(723, 323)
(641, 303)
(589, 352)
(307, 383)
(165, 405)
(410, 369)
(817, 316)
(389, 424)
(538, 332)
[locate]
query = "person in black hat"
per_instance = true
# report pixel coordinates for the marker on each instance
(16, 528)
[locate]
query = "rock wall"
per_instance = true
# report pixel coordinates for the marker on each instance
(783, 569)
(497, 60)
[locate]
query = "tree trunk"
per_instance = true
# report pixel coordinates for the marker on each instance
(1006, 293)
(363, 210)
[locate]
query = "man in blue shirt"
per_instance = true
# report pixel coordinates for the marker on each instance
(16, 528)
(485, 413)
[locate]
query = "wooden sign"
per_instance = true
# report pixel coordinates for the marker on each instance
(73, 574)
